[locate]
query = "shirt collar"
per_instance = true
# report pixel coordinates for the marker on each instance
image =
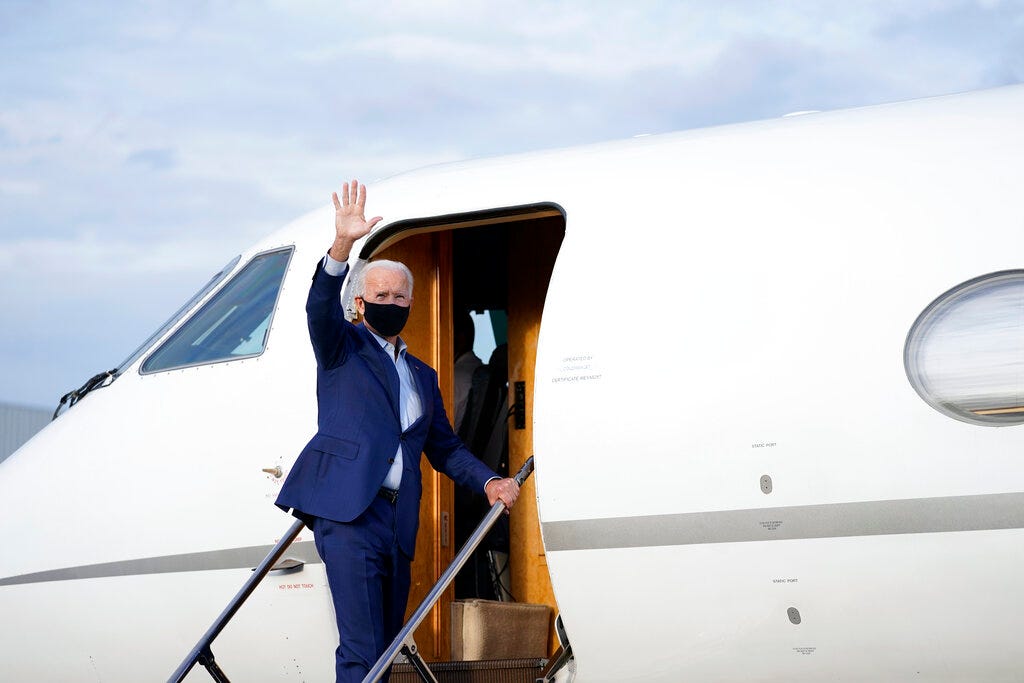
(386, 345)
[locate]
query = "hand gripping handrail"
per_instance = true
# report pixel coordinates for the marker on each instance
(399, 643)
(201, 652)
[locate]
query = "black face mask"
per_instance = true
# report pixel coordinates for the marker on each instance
(387, 319)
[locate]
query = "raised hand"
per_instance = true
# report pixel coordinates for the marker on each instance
(350, 224)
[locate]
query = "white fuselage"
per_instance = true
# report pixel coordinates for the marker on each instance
(727, 305)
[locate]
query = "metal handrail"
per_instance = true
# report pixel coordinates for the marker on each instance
(447, 577)
(202, 653)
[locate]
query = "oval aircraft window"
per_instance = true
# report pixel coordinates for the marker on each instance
(233, 324)
(965, 353)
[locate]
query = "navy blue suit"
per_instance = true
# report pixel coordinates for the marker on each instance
(365, 539)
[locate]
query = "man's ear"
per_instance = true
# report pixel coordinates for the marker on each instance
(360, 306)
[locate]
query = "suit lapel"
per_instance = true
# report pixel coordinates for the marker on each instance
(420, 378)
(381, 366)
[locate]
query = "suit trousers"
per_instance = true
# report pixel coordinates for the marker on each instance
(369, 577)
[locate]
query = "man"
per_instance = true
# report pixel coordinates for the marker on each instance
(466, 363)
(357, 484)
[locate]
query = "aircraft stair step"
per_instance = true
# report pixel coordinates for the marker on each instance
(486, 671)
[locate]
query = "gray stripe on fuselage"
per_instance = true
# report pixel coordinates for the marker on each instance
(870, 518)
(229, 558)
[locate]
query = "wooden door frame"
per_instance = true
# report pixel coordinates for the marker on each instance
(430, 337)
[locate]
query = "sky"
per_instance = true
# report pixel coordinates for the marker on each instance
(144, 144)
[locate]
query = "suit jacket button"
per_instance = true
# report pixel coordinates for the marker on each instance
(391, 460)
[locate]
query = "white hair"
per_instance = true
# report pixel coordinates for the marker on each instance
(359, 280)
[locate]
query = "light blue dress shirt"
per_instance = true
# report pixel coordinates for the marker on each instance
(408, 402)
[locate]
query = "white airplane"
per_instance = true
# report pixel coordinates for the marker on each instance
(771, 398)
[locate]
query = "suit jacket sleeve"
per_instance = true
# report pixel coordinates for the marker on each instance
(447, 453)
(329, 332)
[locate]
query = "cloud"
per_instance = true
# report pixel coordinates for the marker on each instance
(141, 145)
(155, 159)
(86, 256)
(13, 186)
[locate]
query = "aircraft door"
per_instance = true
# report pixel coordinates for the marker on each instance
(502, 265)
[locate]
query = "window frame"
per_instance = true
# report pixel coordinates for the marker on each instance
(932, 315)
(212, 295)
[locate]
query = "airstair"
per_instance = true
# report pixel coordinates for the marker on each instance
(402, 653)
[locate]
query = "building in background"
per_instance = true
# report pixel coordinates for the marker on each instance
(18, 424)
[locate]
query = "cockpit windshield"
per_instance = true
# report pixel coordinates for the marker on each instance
(233, 324)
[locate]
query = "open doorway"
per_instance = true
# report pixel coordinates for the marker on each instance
(494, 267)
(481, 396)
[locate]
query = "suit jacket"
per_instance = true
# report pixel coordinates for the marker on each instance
(339, 472)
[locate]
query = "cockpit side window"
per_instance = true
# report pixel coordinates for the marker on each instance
(233, 324)
(965, 353)
(180, 313)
